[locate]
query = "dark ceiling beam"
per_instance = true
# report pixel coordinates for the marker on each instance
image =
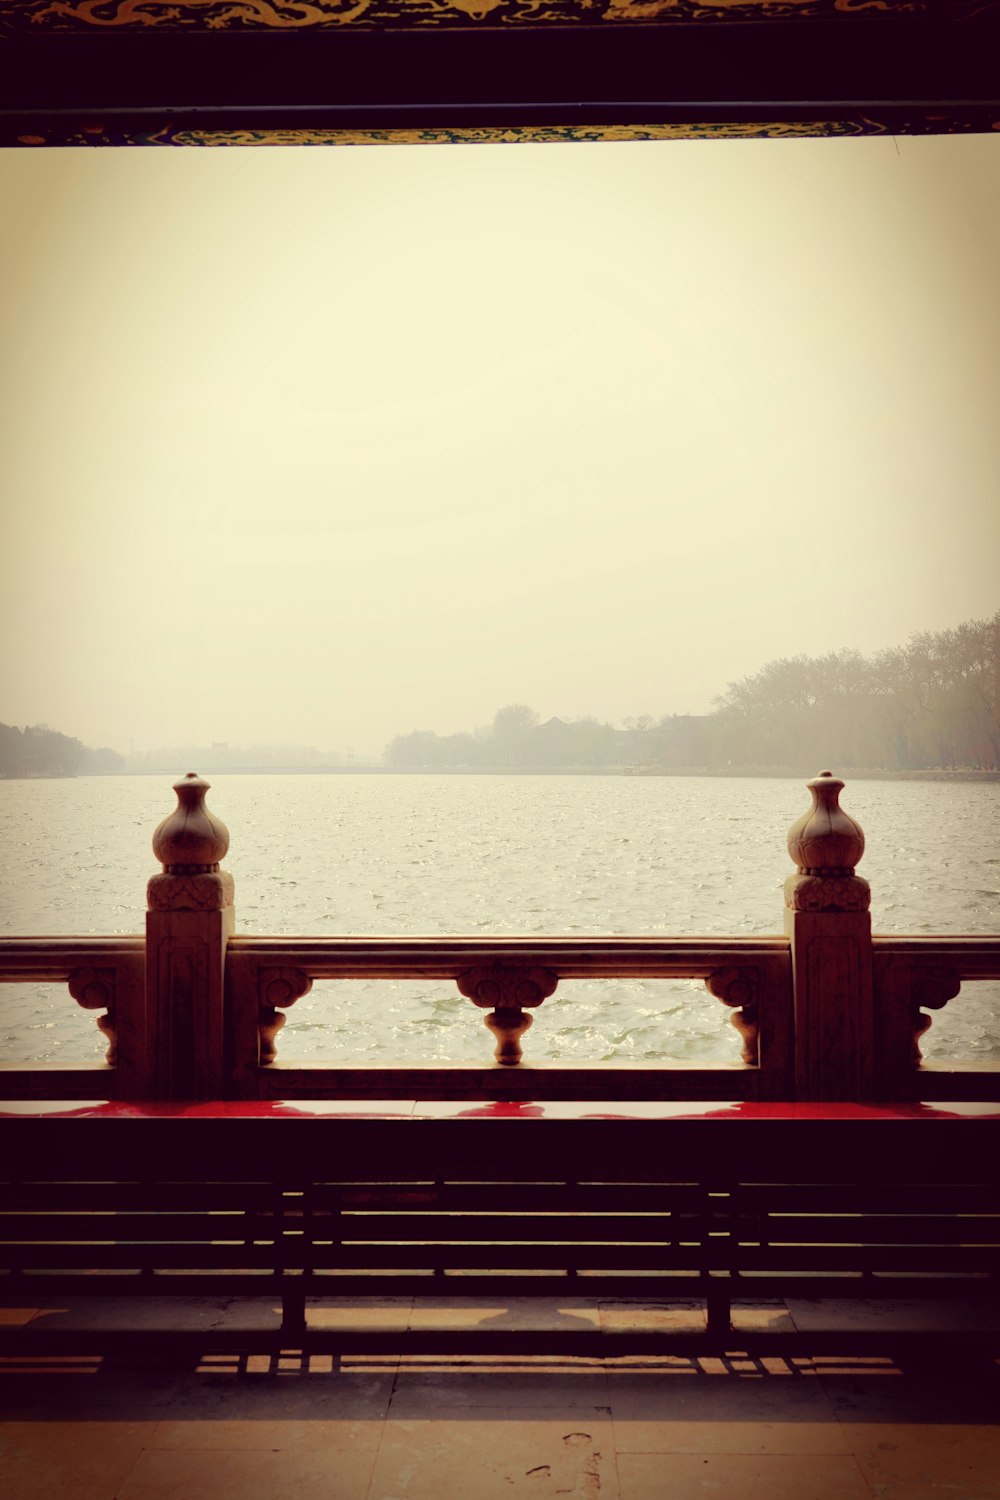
(894, 70)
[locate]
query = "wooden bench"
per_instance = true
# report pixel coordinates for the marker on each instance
(651, 1203)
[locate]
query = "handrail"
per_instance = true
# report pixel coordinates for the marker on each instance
(611, 957)
(50, 959)
(971, 955)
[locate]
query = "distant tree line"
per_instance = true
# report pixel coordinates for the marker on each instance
(518, 739)
(515, 740)
(931, 704)
(38, 750)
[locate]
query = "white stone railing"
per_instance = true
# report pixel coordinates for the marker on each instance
(193, 1010)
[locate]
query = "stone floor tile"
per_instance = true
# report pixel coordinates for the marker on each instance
(685, 1411)
(328, 1312)
(740, 1476)
(955, 1392)
(359, 1312)
(772, 1317)
(305, 1473)
(42, 1460)
(928, 1461)
(496, 1454)
(152, 1313)
(622, 1316)
(68, 1389)
(790, 1438)
(923, 1314)
(262, 1433)
(294, 1396)
(421, 1391)
(546, 1313)
(239, 1313)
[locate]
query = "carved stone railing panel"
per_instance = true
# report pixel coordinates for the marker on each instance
(508, 977)
(103, 974)
(824, 1012)
(507, 990)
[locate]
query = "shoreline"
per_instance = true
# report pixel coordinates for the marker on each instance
(733, 773)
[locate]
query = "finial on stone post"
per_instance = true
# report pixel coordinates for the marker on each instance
(826, 844)
(829, 927)
(188, 924)
(189, 844)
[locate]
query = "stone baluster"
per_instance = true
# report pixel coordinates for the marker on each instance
(95, 989)
(188, 924)
(277, 989)
(507, 990)
(829, 926)
(905, 988)
(740, 990)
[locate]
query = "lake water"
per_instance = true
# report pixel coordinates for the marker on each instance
(387, 854)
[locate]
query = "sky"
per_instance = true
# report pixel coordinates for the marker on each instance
(318, 446)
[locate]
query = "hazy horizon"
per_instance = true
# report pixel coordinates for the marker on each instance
(296, 749)
(319, 446)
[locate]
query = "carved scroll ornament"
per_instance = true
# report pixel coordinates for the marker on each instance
(277, 989)
(94, 989)
(507, 990)
(930, 989)
(740, 990)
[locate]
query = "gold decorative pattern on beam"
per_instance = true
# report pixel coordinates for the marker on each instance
(98, 135)
(297, 15)
(506, 135)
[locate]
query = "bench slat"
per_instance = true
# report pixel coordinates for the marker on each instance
(127, 1227)
(114, 1197)
(292, 1252)
(874, 1229)
(781, 1258)
(871, 1197)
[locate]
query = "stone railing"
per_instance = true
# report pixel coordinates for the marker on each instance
(194, 1010)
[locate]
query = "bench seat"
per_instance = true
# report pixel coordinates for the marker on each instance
(648, 1202)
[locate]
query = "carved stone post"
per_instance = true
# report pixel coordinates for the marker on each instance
(828, 922)
(188, 925)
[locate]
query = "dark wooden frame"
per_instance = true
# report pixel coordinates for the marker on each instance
(832, 74)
